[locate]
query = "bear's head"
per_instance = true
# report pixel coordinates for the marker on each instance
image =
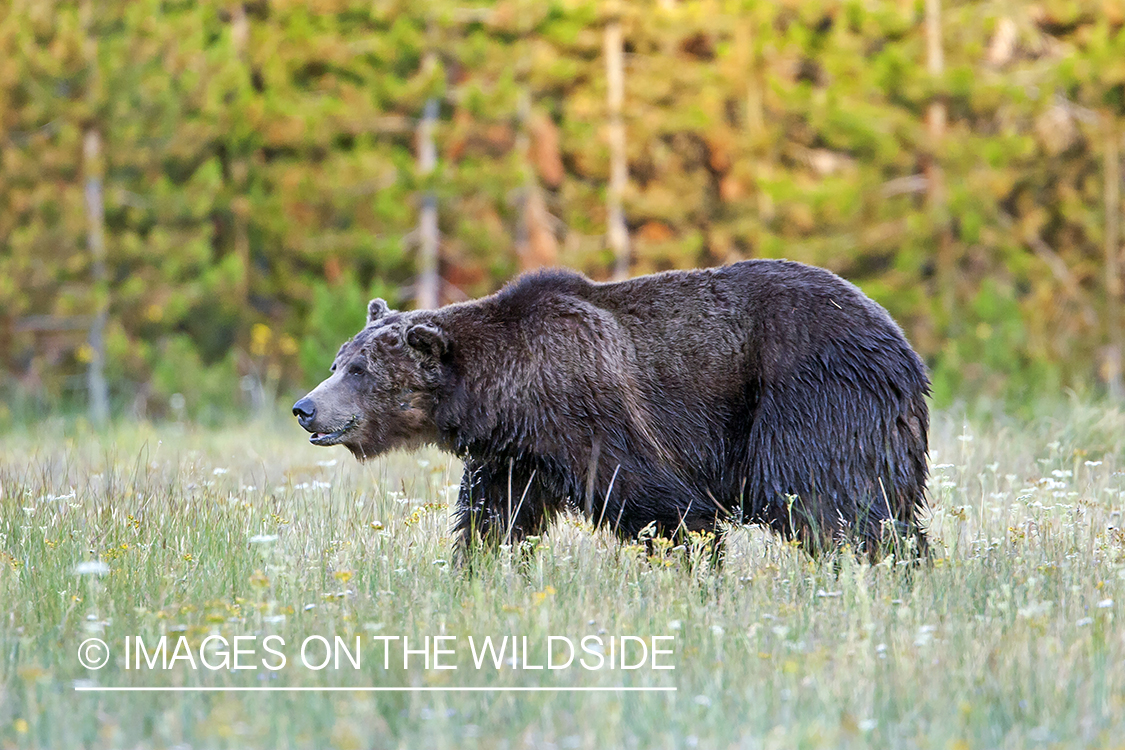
(380, 395)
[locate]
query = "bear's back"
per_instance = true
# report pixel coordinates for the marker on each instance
(749, 322)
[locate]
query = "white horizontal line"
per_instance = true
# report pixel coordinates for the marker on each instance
(336, 689)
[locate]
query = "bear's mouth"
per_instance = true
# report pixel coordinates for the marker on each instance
(334, 437)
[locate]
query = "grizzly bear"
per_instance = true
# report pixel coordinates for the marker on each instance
(765, 392)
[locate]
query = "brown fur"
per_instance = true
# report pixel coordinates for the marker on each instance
(765, 392)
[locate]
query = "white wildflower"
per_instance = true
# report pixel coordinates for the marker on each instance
(91, 568)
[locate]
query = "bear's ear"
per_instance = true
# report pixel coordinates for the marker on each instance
(428, 339)
(376, 309)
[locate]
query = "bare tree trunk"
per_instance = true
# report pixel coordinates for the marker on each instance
(240, 33)
(429, 282)
(935, 65)
(1112, 267)
(616, 232)
(536, 246)
(95, 240)
(935, 177)
(745, 45)
(97, 390)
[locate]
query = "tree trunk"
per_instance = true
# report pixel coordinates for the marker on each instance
(935, 65)
(95, 222)
(96, 388)
(536, 246)
(617, 233)
(1112, 260)
(745, 45)
(427, 291)
(240, 205)
(935, 177)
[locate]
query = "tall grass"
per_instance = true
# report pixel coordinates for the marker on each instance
(1012, 638)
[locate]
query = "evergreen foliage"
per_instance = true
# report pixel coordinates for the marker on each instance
(260, 173)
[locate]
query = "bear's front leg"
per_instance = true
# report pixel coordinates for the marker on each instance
(500, 502)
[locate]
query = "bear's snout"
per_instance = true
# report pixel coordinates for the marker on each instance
(305, 411)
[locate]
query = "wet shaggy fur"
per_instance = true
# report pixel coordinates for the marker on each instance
(765, 392)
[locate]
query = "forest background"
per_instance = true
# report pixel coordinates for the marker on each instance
(197, 198)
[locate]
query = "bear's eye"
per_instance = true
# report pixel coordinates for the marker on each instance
(332, 368)
(355, 369)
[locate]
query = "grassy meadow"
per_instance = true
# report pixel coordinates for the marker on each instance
(1013, 638)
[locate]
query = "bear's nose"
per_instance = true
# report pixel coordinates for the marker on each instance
(304, 410)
